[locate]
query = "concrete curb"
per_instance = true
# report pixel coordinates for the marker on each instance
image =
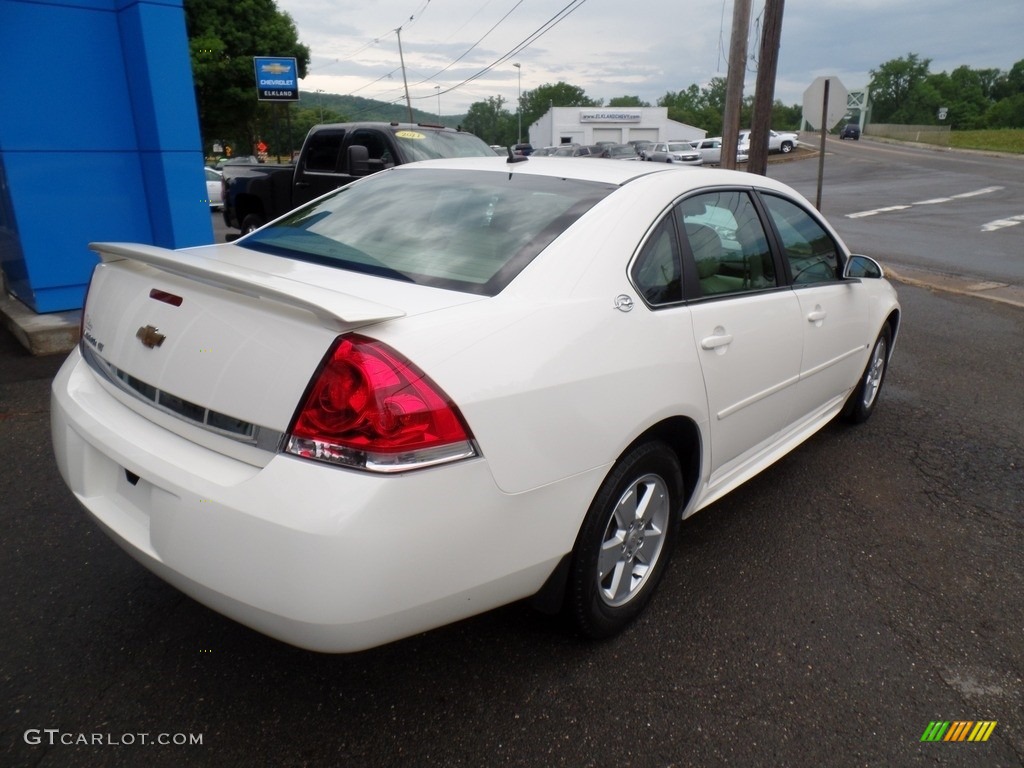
(50, 334)
(1004, 293)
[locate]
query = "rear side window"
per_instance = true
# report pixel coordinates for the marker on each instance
(727, 243)
(466, 231)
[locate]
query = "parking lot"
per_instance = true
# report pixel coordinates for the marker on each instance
(825, 613)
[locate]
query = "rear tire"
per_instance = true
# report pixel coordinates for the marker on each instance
(864, 397)
(626, 541)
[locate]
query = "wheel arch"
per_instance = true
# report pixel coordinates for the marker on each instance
(246, 204)
(893, 321)
(683, 436)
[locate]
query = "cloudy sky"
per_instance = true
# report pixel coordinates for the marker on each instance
(611, 48)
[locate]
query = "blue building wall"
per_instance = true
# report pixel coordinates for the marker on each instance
(99, 140)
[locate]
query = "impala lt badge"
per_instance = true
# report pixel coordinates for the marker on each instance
(150, 336)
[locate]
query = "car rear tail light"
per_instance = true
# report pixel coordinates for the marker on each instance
(367, 407)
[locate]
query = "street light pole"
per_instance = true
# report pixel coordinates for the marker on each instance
(519, 101)
(438, 89)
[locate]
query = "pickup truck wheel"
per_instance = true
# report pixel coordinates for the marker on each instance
(251, 222)
(787, 147)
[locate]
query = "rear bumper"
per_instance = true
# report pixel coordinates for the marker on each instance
(319, 557)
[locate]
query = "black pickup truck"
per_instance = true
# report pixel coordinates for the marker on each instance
(332, 156)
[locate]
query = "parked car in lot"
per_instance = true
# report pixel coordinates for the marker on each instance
(455, 384)
(333, 155)
(214, 193)
(621, 152)
(578, 150)
(777, 142)
(236, 160)
(673, 152)
(850, 131)
(711, 151)
(641, 147)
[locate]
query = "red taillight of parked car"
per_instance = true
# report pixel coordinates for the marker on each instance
(370, 408)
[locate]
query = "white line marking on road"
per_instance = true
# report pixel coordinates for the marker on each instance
(933, 201)
(1010, 221)
(862, 214)
(985, 191)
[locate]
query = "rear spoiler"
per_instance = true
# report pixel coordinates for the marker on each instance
(336, 311)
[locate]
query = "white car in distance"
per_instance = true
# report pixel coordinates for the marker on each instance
(460, 383)
(711, 151)
(777, 142)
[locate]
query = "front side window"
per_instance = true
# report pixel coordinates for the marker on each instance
(811, 253)
(322, 151)
(461, 230)
(727, 243)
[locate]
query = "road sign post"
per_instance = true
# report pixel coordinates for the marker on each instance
(824, 106)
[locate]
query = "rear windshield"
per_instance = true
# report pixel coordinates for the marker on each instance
(470, 231)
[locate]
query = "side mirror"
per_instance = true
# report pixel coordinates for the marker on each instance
(358, 160)
(858, 266)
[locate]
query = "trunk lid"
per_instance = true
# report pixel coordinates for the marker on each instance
(225, 339)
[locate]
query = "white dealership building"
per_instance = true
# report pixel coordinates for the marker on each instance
(589, 125)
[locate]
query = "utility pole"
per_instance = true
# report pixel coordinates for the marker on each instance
(734, 82)
(401, 58)
(764, 90)
(519, 101)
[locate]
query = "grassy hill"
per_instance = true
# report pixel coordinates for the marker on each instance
(353, 108)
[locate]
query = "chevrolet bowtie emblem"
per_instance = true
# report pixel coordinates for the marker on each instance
(150, 336)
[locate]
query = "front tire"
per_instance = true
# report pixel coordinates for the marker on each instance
(251, 222)
(626, 541)
(787, 147)
(864, 397)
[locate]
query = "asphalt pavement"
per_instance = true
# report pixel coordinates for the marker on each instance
(826, 613)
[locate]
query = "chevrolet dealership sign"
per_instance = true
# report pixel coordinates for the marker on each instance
(611, 115)
(276, 79)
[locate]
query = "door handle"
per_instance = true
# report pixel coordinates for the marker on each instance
(816, 315)
(716, 341)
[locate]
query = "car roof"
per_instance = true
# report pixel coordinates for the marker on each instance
(607, 173)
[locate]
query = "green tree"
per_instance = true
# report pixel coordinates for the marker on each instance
(895, 89)
(1010, 83)
(967, 94)
(491, 121)
(701, 107)
(224, 36)
(627, 101)
(536, 103)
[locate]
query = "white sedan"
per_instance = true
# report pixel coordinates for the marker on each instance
(457, 384)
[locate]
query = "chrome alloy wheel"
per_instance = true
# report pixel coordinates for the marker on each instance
(633, 540)
(875, 371)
